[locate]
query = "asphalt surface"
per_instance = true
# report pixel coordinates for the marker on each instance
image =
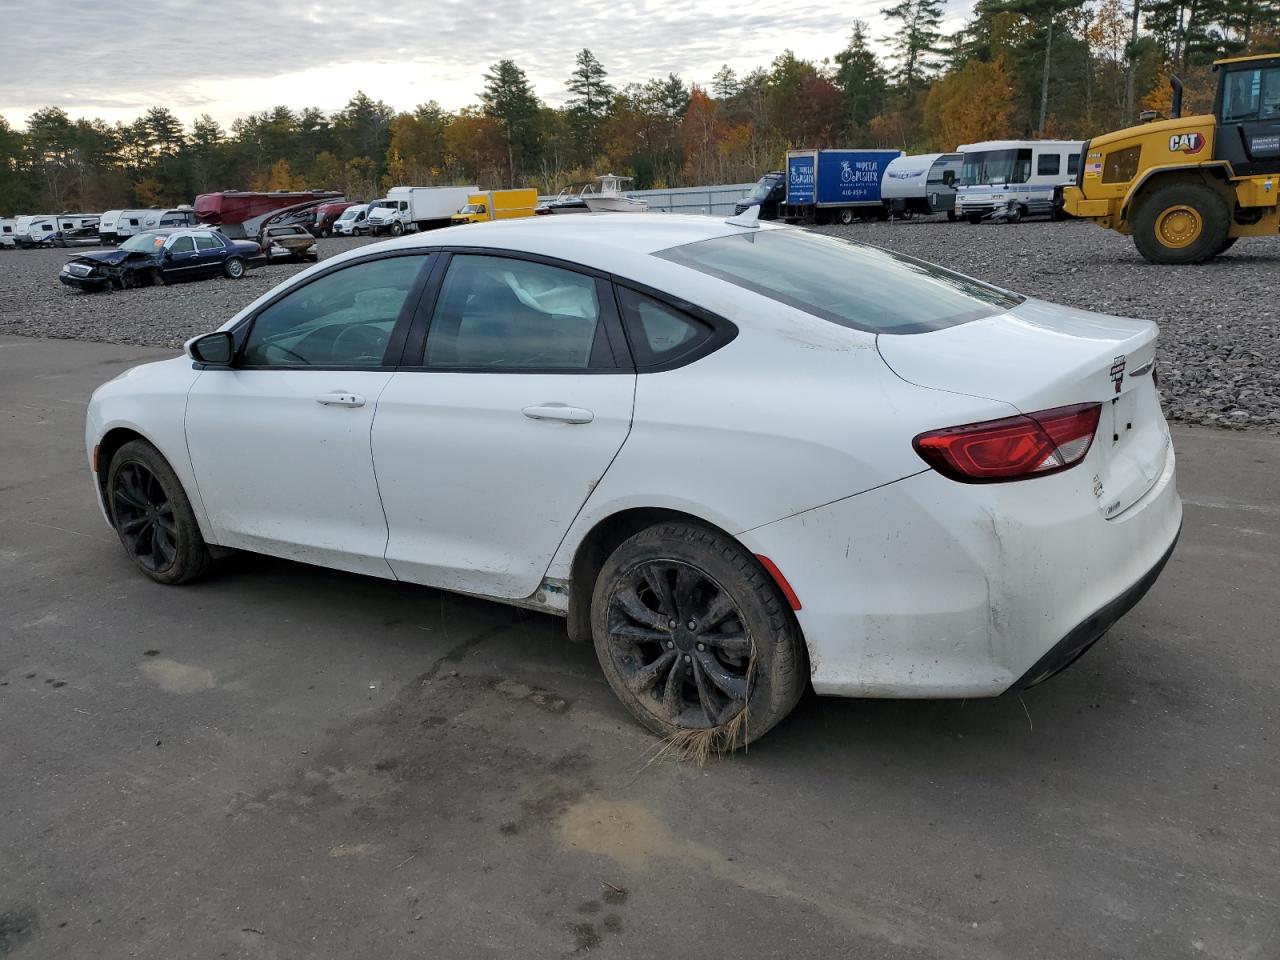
(283, 761)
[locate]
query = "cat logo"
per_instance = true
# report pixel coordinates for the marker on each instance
(1186, 143)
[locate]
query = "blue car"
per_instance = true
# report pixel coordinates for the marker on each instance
(158, 257)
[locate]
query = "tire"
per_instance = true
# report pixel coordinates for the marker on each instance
(951, 216)
(157, 277)
(397, 228)
(1181, 223)
(153, 517)
(734, 677)
(846, 216)
(233, 269)
(975, 218)
(1227, 244)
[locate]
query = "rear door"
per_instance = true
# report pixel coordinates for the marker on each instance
(209, 254)
(488, 444)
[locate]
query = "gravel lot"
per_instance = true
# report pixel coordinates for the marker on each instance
(1219, 345)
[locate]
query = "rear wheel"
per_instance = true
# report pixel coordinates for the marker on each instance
(846, 216)
(694, 636)
(233, 269)
(1181, 223)
(153, 517)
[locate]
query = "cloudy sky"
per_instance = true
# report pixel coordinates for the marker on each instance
(229, 58)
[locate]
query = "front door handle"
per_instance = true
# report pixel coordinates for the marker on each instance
(559, 411)
(339, 398)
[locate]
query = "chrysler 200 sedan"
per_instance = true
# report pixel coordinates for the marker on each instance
(736, 457)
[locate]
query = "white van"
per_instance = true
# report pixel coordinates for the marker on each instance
(351, 221)
(1020, 177)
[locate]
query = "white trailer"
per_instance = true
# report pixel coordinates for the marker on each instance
(129, 223)
(56, 230)
(7, 225)
(923, 184)
(1016, 178)
(417, 208)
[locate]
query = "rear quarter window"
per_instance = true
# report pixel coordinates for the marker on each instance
(852, 284)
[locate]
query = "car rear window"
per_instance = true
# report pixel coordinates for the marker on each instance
(852, 284)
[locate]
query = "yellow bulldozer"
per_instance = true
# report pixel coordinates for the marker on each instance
(1187, 188)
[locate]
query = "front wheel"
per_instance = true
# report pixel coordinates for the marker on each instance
(1181, 222)
(396, 229)
(975, 218)
(153, 517)
(951, 216)
(695, 638)
(233, 269)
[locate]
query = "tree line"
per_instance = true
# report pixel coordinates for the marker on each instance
(1017, 68)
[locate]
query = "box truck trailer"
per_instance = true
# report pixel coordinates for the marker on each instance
(497, 205)
(840, 185)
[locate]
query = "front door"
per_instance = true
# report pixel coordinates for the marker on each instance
(280, 440)
(487, 450)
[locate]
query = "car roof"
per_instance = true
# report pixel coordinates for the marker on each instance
(604, 241)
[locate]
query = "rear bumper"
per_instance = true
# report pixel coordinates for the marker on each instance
(1089, 631)
(930, 588)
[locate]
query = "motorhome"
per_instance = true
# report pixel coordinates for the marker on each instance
(1016, 178)
(922, 184)
(129, 223)
(50, 230)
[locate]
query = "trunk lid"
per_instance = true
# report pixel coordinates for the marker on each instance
(1040, 355)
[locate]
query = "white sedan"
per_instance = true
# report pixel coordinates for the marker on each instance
(736, 457)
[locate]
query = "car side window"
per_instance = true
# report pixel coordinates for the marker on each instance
(182, 245)
(496, 312)
(206, 242)
(659, 333)
(344, 318)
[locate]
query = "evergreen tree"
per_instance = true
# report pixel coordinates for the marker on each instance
(590, 104)
(916, 41)
(508, 98)
(725, 83)
(861, 79)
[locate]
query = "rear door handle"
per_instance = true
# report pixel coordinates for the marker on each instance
(340, 399)
(559, 411)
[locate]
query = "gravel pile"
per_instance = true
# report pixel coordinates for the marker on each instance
(1219, 359)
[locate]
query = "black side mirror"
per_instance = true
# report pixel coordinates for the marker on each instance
(167, 255)
(216, 349)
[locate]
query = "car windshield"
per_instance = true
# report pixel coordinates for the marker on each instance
(762, 189)
(852, 284)
(143, 243)
(995, 166)
(349, 213)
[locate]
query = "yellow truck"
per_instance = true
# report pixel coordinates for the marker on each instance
(497, 205)
(1187, 188)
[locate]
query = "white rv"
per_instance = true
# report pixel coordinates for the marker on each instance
(129, 223)
(7, 225)
(1016, 178)
(923, 184)
(107, 225)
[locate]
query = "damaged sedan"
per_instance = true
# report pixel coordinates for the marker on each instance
(158, 257)
(740, 459)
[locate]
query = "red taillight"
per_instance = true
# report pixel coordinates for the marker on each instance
(1014, 448)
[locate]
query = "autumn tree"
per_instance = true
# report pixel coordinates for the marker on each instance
(972, 104)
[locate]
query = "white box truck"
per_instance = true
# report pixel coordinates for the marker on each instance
(416, 208)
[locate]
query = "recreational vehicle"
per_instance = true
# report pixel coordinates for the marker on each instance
(6, 234)
(922, 184)
(1016, 178)
(49, 230)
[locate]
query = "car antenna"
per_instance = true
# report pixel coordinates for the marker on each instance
(749, 217)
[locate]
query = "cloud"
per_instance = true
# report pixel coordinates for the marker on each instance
(233, 57)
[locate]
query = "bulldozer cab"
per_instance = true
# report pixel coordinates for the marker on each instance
(1247, 110)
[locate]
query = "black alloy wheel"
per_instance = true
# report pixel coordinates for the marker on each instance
(680, 642)
(144, 517)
